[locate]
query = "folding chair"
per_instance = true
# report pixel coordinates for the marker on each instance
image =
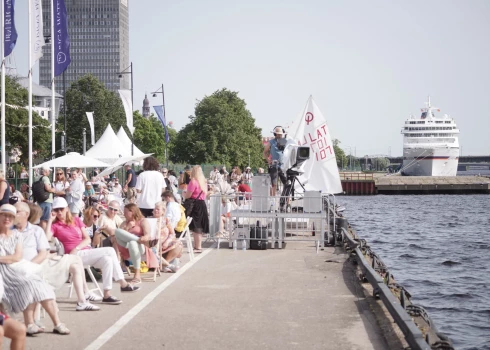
(155, 227)
(57, 243)
(186, 235)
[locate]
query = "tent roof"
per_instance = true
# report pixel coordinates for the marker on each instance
(126, 142)
(108, 148)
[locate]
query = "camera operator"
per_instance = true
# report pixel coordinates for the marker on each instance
(275, 149)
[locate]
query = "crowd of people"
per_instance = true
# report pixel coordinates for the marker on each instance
(48, 239)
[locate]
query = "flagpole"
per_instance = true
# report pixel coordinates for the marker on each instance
(165, 115)
(30, 94)
(2, 35)
(53, 106)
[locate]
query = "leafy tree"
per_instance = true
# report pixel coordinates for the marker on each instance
(16, 123)
(339, 155)
(88, 94)
(222, 131)
(380, 163)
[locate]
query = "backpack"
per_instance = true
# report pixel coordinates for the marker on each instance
(182, 222)
(39, 193)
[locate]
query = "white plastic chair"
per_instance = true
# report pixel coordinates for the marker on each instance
(186, 236)
(89, 271)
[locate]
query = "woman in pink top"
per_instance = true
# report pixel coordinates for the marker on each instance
(71, 232)
(197, 190)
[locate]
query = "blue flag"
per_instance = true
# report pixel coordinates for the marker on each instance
(61, 39)
(10, 34)
(161, 116)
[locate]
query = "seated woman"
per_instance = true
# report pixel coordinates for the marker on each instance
(131, 238)
(56, 269)
(90, 218)
(171, 247)
(71, 232)
(23, 292)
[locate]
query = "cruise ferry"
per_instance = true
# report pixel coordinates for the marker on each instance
(430, 144)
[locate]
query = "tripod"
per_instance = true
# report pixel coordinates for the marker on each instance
(288, 190)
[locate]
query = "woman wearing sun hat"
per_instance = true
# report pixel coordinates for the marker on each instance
(71, 232)
(23, 292)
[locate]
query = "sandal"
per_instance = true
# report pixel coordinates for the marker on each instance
(197, 251)
(135, 281)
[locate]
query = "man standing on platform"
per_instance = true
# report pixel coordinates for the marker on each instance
(273, 153)
(130, 184)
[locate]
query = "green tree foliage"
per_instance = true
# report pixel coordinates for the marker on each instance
(149, 135)
(339, 155)
(16, 122)
(88, 94)
(222, 131)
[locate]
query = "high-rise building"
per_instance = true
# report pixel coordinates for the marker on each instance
(99, 37)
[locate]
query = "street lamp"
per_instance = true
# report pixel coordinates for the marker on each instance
(164, 115)
(129, 70)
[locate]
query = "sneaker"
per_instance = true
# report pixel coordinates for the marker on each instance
(92, 297)
(87, 307)
(61, 329)
(33, 329)
(173, 268)
(167, 269)
(111, 301)
(130, 288)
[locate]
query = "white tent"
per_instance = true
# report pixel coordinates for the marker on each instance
(108, 148)
(72, 160)
(126, 142)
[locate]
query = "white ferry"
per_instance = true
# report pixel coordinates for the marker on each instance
(430, 144)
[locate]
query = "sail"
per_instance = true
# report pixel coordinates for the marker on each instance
(320, 171)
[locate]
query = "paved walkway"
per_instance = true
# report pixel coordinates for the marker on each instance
(225, 299)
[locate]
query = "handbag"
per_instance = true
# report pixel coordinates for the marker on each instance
(26, 268)
(189, 205)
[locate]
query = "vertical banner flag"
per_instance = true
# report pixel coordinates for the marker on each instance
(128, 108)
(9, 32)
(90, 117)
(320, 171)
(161, 116)
(37, 36)
(61, 38)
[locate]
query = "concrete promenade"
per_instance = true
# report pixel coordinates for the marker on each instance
(275, 299)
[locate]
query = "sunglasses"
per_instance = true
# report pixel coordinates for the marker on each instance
(58, 209)
(59, 173)
(113, 209)
(96, 216)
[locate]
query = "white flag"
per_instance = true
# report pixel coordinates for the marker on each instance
(320, 171)
(37, 36)
(128, 108)
(90, 117)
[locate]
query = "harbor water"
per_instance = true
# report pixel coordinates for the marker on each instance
(438, 247)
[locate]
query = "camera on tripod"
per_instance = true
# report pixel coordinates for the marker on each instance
(294, 156)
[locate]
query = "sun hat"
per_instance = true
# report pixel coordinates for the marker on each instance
(278, 130)
(8, 209)
(248, 168)
(59, 202)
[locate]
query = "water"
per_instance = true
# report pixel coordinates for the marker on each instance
(438, 247)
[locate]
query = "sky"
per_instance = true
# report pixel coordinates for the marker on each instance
(368, 64)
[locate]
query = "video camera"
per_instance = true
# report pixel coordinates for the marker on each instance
(294, 156)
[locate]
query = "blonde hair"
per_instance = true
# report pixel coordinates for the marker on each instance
(197, 174)
(87, 214)
(163, 206)
(133, 208)
(68, 218)
(35, 213)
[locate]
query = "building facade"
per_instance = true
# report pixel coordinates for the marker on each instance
(99, 43)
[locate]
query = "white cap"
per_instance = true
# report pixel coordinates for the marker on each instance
(8, 208)
(59, 202)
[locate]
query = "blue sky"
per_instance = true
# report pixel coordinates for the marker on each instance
(368, 64)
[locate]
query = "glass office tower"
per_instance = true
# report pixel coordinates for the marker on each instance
(99, 36)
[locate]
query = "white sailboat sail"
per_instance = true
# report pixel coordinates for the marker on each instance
(320, 171)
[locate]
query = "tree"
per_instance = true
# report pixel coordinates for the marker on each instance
(222, 131)
(339, 155)
(16, 123)
(88, 94)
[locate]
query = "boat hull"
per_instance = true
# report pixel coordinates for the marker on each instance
(430, 161)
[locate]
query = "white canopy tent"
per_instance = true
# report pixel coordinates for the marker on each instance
(108, 148)
(73, 160)
(121, 162)
(126, 142)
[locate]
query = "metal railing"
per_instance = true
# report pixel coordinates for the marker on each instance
(424, 334)
(356, 176)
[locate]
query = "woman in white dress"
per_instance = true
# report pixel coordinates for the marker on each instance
(60, 184)
(23, 292)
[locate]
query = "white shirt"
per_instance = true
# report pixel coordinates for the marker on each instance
(173, 213)
(34, 241)
(75, 196)
(151, 183)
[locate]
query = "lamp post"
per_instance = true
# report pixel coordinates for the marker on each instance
(164, 116)
(129, 70)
